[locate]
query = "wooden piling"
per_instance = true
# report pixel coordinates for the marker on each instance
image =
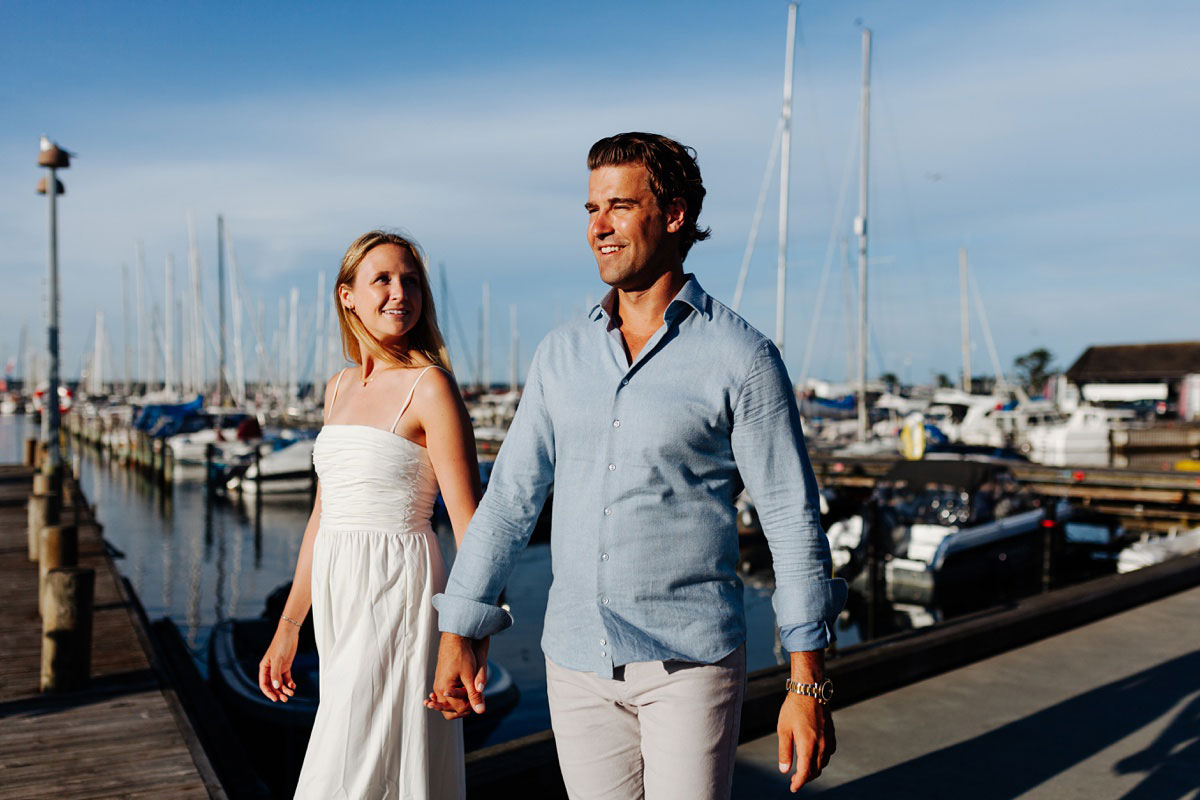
(258, 476)
(44, 509)
(31, 448)
(59, 547)
(67, 600)
(168, 463)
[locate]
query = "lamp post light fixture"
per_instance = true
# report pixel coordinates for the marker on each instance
(53, 158)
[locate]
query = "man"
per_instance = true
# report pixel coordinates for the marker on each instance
(646, 417)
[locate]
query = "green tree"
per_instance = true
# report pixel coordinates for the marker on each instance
(1034, 368)
(890, 380)
(943, 381)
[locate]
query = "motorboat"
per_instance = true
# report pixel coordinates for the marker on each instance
(237, 645)
(1083, 438)
(1152, 549)
(288, 470)
(198, 436)
(948, 525)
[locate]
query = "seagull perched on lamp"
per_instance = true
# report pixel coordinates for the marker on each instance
(51, 155)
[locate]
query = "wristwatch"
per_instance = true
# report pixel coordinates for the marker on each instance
(821, 692)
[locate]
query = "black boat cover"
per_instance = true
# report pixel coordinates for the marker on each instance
(959, 473)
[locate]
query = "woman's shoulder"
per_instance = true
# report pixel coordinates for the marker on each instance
(433, 381)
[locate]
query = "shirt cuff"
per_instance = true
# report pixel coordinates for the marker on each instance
(806, 636)
(469, 618)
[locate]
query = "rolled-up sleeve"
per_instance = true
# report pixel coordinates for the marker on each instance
(768, 446)
(500, 528)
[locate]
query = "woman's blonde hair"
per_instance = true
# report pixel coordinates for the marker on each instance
(424, 340)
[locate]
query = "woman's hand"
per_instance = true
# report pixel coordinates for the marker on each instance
(275, 669)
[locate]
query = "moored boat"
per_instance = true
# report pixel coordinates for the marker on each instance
(233, 655)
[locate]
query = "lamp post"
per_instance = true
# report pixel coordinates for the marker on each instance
(53, 158)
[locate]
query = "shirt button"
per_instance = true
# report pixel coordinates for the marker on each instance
(616, 423)
(611, 467)
(603, 654)
(625, 381)
(603, 642)
(604, 600)
(608, 512)
(604, 556)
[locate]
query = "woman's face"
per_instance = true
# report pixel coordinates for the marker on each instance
(386, 294)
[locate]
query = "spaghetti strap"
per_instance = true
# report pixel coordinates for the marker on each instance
(408, 400)
(333, 397)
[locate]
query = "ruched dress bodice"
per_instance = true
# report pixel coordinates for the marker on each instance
(372, 479)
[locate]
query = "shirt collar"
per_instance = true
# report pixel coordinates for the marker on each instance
(690, 295)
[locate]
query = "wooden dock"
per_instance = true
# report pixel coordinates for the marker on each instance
(1106, 710)
(125, 735)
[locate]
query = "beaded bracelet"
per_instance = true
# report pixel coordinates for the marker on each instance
(289, 619)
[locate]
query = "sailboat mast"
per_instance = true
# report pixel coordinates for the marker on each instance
(238, 389)
(199, 378)
(222, 384)
(785, 161)
(138, 288)
(860, 225)
(169, 326)
(966, 322)
(293, 389)
(319, 369)
(97, 382)
(485, 344)
(514, 341)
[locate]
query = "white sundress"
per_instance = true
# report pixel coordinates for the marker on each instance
(376, 566)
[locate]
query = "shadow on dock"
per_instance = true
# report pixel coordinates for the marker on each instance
(1018, 757)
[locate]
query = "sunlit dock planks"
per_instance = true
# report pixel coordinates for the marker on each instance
(1106, 710)
(123, 735)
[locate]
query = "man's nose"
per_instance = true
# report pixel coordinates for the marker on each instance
(600, 225)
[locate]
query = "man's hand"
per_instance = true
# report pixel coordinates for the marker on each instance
(460, 678)
(805, 726)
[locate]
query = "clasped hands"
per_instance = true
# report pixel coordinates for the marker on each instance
(460, 678)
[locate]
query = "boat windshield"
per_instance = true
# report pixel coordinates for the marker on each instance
(939, 505)
(946, 504)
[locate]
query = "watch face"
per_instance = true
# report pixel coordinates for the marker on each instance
(826, 691)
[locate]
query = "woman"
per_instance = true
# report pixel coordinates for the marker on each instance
(395, 430)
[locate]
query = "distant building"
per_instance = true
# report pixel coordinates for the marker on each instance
(1164, 375)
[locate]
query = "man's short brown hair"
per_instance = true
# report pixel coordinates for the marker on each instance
(673, 170)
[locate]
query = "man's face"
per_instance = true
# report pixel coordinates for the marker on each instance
(627, 231)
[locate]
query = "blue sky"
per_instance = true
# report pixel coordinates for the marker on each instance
(1055, 140)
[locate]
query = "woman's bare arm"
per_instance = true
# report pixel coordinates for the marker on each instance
(451, 444)
(275, 668)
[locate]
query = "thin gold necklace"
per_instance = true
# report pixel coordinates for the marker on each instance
(371, 377)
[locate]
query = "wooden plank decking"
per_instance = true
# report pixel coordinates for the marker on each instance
(124, 736)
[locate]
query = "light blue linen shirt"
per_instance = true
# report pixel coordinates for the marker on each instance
(646, 460)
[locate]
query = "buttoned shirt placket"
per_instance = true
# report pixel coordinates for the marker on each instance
(611, 513)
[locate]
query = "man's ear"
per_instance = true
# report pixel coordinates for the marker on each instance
(676, 211)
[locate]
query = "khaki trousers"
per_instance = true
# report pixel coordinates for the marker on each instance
(657, 730)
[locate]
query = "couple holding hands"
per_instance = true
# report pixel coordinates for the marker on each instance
(648, 417)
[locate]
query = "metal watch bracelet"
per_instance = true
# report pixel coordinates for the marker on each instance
(821, 692)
